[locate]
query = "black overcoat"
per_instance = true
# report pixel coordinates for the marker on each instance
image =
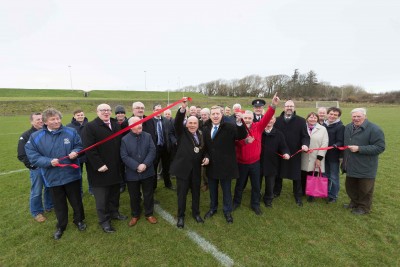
(107, 153)
(271, 144)
(295, 132)
(221, 150)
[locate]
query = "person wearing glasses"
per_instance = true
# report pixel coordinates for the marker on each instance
(104, 166)
(294, 129)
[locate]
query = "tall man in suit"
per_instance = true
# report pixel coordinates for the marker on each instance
(104, 166)
(190, 156)
(161, 131)
(220, 139)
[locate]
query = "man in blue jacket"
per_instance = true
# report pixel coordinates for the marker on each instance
(365, 142)
(45, 149)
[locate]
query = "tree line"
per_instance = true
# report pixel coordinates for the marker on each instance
(301, 86)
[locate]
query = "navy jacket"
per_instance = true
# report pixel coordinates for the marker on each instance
(44, 146)
(135, 150)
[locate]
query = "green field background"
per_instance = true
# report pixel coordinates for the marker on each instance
(317, 234)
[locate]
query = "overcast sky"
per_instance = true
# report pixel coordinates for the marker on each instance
(169, 44)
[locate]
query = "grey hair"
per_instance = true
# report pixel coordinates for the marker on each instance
(50, 112)
(362, 110)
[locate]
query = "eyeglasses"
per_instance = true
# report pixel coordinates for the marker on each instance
(139, 108)
(105, 110)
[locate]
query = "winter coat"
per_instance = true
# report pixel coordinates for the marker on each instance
(79, 128)
(221, 149)
(138, 149)
(44, 146)
(295, 132)
(371, 141)
(271, 144)
(336, 137)
(318, 138)
(107, 153)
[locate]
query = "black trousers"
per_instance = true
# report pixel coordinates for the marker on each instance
(183, 185)
(107, 202)
(297, 190)
(163, 155)
(60, 194)
(269, 188)
(135, 196)
(360, 192)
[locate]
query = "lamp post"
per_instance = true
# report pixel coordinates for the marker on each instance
(145, 80)
(70, 76)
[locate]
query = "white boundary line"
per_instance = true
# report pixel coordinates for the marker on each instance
(222, 258)
(5, 173)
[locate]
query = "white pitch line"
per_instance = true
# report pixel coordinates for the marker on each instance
(224, 259)
(5, 173)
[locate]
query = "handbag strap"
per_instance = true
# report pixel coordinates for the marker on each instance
(320, 174)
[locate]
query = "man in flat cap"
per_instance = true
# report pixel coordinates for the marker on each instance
(258, 107)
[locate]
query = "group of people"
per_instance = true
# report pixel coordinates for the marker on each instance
(202, 148)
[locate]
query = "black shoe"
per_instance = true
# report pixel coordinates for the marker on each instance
(257, 210)
(299, 203)
(171, 187)
(331, 200)
(58, 234)
(119, 217)
(358, 211)
(122, 189)
(235, 206)
(268, 203)
(81, 226)
(228, 218)
(310, 199)
(108, 229)
(209, 214)
(198, 219)
(348, 206)
(181, 222)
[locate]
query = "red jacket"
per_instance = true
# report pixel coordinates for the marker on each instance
(250, 153)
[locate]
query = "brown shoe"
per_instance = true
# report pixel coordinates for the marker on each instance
(40, 218)
(151, 219)
(133, 221)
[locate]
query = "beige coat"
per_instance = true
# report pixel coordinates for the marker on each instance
(318, 138)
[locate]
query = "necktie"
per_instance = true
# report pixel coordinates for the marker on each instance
(196, 139)
(160, 135)
(214, 132)
(108, 125)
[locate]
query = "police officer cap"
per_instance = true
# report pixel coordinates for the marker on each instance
(258, 103)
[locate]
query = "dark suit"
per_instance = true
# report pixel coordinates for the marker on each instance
(186, 165)
(223, 166)
(105, 185)
(162, 151)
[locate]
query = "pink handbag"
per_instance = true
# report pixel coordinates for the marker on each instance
(317, 186)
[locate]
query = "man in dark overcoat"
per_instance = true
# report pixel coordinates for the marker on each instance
(220, 139)
(186, 166)
(295, 131)
(103, 166)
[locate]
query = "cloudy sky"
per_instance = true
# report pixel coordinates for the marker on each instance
(130, 44)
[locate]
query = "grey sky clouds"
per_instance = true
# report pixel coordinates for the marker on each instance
(109, 44)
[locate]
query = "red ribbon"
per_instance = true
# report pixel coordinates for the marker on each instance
(125, 129)
(312, 149)
(67, 165)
